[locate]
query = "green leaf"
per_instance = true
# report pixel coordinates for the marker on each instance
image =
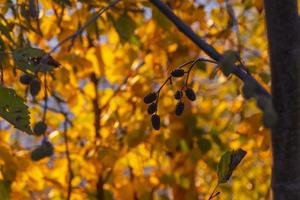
(270, 116)
(13, 110)
(204, 145)
(229, 161)
(249, 89)
(125, 27)
(223, 167)
(27, 60)
(201, 66)
(5, 190)
(161, 19)
(227, 62)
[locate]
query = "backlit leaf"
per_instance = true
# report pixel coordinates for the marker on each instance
(27, 60)
(227, 62)
(125, 27)
(13, 109)
(229, 161)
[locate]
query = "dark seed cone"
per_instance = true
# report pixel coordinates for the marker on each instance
(43, 151)
(155, 119)
(179, 108)
(178, 95)
(35, 87)
(150, 98)
(189, 92)
(152, 108)
(39, 128)
(25, 79)
(177, 73)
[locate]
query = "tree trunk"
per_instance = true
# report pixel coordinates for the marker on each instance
(281, 21)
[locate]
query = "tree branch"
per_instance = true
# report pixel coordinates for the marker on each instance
(208, 49)
(96, 107)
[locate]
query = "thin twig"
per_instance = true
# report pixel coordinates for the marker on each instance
(208, 49)
(2, 74)
(193, 64)
(214, 194)
(89, 22)
(45, 97)
(96, 107)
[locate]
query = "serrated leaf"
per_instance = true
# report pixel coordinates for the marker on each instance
(13, 110)
(23, 59)
(227, 62)
(228, 162)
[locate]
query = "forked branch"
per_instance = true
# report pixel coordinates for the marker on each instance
(208, 49)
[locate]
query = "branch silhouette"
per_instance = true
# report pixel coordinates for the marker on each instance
(207, 48)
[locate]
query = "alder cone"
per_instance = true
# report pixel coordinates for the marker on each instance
(43, 151)
(35, 87)
(177, 73)
(189, 92)
(25, 79)
(179, 108)
(155, 119)
(150, 98)
(178, 95)
(152, 108)
(40, 128)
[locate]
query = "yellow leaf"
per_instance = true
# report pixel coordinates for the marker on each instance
(250, 125)
(266, 141)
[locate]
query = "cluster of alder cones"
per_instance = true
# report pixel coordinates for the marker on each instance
(152, 100)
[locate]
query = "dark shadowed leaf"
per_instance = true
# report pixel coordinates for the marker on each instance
(227, 62)
(204, 145)
(229, 161)
(125, 27)
(27, 59)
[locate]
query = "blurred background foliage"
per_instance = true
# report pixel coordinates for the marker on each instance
(96, 102)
